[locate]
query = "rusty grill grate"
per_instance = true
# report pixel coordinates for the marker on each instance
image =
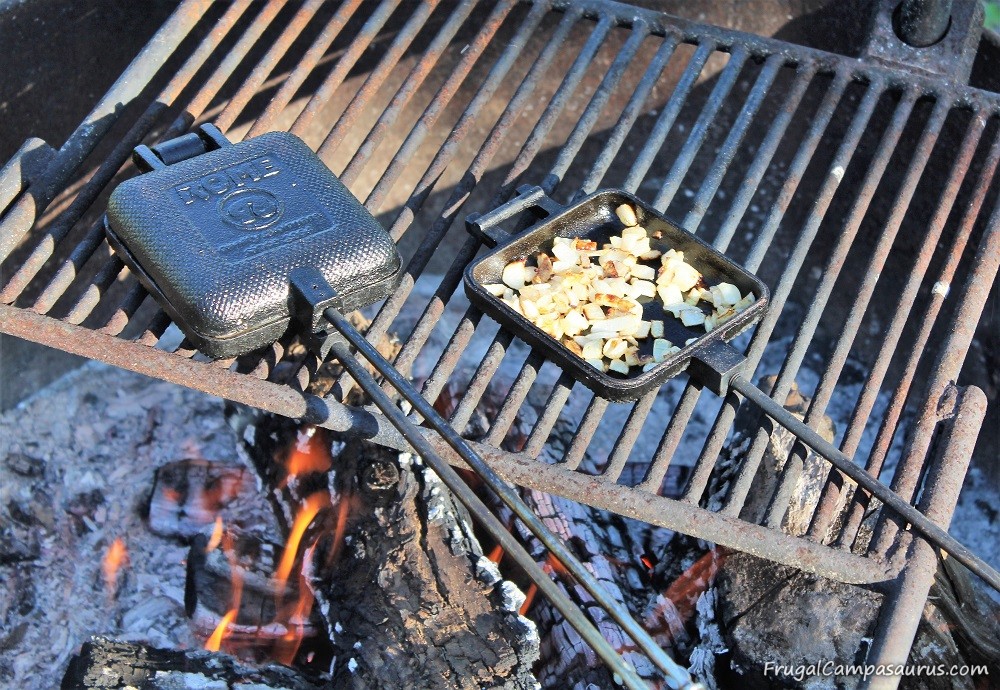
(822, 173)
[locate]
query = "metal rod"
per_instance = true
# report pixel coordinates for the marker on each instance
(509, 496)
(889, 498)
(303, 68)
(106, 171)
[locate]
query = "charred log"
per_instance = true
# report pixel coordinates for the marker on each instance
(106, 664)
(406, 595)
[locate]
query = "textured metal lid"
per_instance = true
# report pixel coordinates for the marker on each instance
(218, 234)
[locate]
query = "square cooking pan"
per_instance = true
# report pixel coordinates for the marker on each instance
(594, 218)
(214, 230)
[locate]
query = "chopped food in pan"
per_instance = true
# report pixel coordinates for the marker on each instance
(591, 298)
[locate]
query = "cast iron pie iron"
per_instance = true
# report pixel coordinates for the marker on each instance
(213, 231)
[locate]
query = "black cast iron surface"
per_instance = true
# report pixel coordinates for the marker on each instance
(820, 173)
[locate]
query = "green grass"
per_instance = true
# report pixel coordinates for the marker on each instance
(992, 14)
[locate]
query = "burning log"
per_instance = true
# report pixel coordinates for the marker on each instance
(189, 494)
(234, 574)
(103, 663)
(407, 598)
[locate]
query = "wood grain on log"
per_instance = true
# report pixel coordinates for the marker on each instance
(408, 599)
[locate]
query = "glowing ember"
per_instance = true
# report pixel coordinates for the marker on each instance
(685, 590)
(529, 598)
(311, 452)
(304, 518)
(114, 559)
(216, 538)
(552, 566)
(496, 555)
(214, 643)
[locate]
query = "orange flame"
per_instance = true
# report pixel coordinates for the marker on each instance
(115, 557)
(304, 518)
(287, 647)
(496, 555)
(311, 452)
(552, 566)
(214, 643)
(340, 528)
(216, 538)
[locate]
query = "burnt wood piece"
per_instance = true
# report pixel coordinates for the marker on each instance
(250, 561)
(107, 664)
(407, 597)
(189, 494)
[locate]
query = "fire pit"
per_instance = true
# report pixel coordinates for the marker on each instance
(862, 190)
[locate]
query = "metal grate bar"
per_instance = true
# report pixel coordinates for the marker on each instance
(515, 396)
(432, 313)
(628, 436)
(480, 380)
(484, 156)
(417, 75)
(897, 402)
(459, 131)
(304, 67)
(720, 429)
(91, 295)
(17, 220)
(135, 295)
(550, 415)
(598, 100)
(765, 154)
(84, 250)
(584, 433)
(333, 80)
(391, 308)
(109, 167)
(630, 113)
(710, 185)
(376, 78)
(706, 118)
(671, 438)
(871, 272)
(741, 486)
(971, 298)
(263, 69)
(901, 393)
(668, 115)
(233, 58)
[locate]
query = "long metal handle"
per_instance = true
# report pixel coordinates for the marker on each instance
(931, 531)
(677, 676)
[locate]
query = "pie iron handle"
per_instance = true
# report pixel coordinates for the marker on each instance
(486, 226)
(206, 138)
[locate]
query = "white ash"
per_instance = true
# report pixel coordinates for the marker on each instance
(100, 432)
(701, 661)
